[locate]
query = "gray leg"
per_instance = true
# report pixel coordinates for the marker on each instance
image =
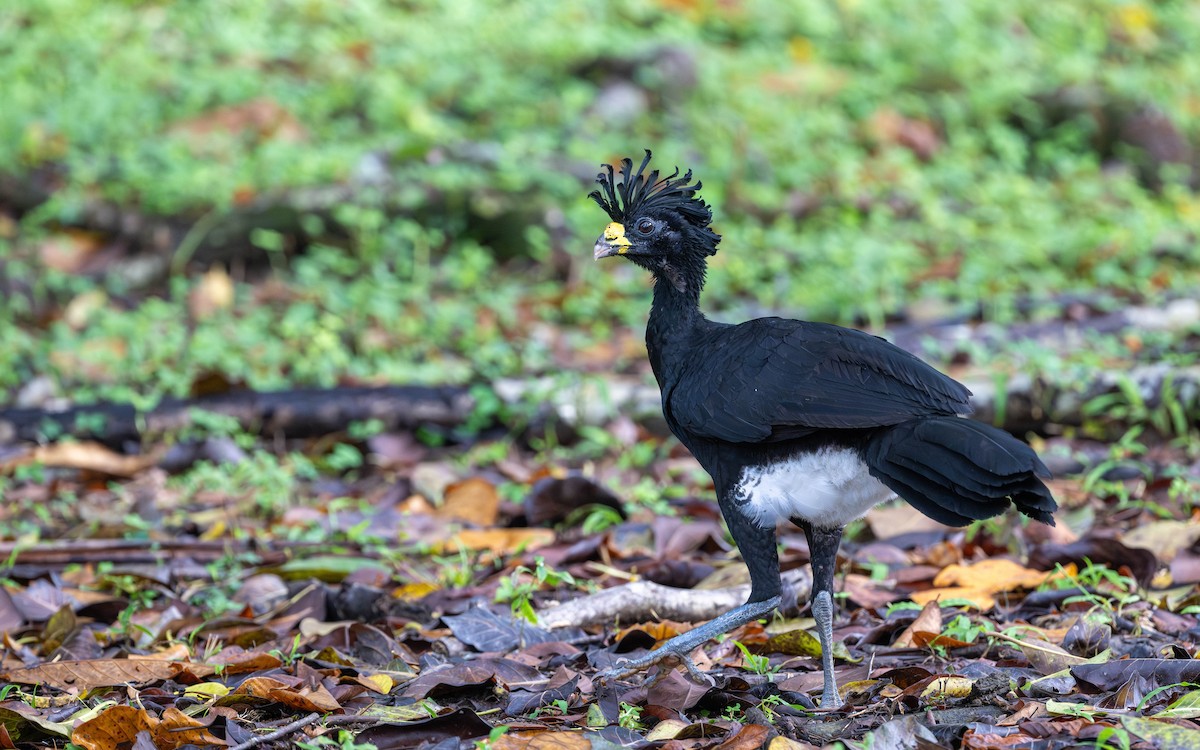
(678, 650)
(822, 608)
(822, 547)
(762, 559)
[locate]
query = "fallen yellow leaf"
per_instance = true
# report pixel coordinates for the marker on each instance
(947, 687)
(380, 683)
(979, 583)
(475, 500)
(499, 541)
(87, 456)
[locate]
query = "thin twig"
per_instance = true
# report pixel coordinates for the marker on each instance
(279, 733)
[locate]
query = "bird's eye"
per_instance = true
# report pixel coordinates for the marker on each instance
(645, 226)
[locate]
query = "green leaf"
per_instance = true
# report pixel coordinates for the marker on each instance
(1164, 735)
(328, 568)
(1186, 707)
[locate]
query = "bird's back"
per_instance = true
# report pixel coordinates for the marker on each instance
(771, 379)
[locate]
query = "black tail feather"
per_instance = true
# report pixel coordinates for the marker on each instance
(958, 470)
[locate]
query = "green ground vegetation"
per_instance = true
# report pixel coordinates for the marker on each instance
(863, 157)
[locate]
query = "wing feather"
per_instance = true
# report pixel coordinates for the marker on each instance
(772, 379)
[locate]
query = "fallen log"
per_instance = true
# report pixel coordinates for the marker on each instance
(301, 412)
(1019, 404)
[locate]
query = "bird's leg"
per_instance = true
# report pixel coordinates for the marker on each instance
(678, 649)
(822, 547)
(762, 558)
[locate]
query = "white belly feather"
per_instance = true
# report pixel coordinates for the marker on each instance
(828, 488)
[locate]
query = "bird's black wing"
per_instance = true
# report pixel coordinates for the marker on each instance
(772, 379)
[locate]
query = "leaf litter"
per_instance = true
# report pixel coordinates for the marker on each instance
(403, 604)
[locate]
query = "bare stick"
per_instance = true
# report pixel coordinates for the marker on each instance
(643, 600)
(278, 734)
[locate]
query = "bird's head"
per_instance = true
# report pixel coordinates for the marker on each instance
(659, 224)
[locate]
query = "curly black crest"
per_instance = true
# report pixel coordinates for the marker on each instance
(637, 192)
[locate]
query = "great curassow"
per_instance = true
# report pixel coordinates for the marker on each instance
(799, 421)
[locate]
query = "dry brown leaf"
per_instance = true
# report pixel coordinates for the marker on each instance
(474, 500)
(115, 727)
(69, 251)
(175, 652)
(927, 639)
(176, 729)
(868, 593)
(1164, 538)
(1044, 656)
(93, 360)
(264, 118)
(888, 126)
(659, 631)
(929, 620)
(120, 725)
(214, 292)
(88, 456)
(78, 676)
(234, 660)
(304, 698)
(749, 737)
(499, 541)
(79, 311)
(538, 740)
(893, 520)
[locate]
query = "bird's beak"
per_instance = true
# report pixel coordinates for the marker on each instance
(612, 242)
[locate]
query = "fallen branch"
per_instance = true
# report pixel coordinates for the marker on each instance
(1020, 404)
(141, 551)
(301, 412)
(644, 600)
(284, 731)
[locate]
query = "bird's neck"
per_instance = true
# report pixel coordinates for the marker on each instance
(675, 315)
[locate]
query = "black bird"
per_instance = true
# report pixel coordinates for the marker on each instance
(800, 421)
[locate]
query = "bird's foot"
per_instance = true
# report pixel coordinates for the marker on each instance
(677, 651)
(665, 658)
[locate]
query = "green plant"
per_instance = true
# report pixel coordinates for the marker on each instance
(1161, 689)
(343, 458)
(963, 628)
(344, 741)
(1113, 738)
(1185, 491)
(596, 518)
(518, 588)
(493, 737)
(556, 708)
(1122, 452)
(771, 704)
(648, 494)
(1116, 591)
(756, 663)
(1170, 412)
(290, 656)
(629, 716)
(456, 571)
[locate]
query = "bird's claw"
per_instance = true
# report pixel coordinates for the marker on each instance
(666, 661)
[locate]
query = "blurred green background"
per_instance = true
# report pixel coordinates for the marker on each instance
(336, 191)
